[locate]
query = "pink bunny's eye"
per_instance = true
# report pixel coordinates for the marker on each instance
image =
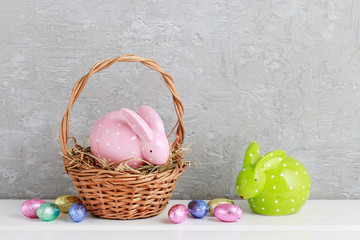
(151, 151)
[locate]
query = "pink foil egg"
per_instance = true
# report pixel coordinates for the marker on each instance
(29, 207)
(125, 134)
(228, 212)
(178, 213)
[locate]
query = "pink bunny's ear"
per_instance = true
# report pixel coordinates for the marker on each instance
(152, 118)
(137, 124)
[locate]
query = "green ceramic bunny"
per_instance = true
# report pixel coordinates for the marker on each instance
(274, 184)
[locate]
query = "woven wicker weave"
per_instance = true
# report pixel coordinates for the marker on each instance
(121, 195)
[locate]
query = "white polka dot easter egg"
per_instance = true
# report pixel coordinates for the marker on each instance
(274, 184)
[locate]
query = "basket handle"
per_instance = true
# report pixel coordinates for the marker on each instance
(80, 84)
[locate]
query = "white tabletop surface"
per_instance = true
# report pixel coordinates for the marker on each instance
(319, 219)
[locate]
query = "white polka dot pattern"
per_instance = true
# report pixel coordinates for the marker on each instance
(278, 202)
(124, 134)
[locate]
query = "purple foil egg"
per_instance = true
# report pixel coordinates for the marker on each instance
(198, 208)
(178, 213)
(77, 212)
(29, 207)
(228, 212)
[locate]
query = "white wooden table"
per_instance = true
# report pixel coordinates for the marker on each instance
(319, 219)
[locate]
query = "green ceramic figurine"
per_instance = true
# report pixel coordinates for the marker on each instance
(274, 184)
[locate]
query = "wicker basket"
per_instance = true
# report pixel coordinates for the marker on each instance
(121, 195)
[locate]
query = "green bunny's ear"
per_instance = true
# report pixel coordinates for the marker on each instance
(252, 154)
(270, 160)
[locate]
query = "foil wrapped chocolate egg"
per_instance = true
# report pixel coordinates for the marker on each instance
(48, 211)
(178, 213)
(77, 212)
(198, 208)
(29, 207)
(228, 212)
(217, 201)
(65, 202)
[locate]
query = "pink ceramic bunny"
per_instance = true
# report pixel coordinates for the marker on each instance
(124, 134)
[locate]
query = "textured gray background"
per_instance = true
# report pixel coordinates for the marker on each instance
(284, 73)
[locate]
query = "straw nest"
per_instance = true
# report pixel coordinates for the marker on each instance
(81, 158)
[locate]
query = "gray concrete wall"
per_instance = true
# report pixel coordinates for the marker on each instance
(284, 73)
